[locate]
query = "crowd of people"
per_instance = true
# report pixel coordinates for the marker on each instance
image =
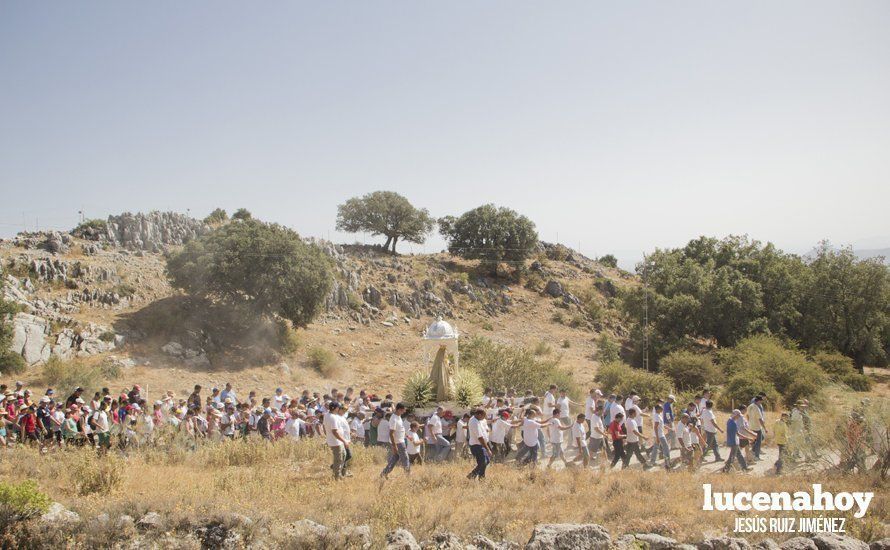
(503, 427)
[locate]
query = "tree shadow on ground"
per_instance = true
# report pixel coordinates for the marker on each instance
(231, 337)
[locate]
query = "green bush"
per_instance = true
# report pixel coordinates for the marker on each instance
(490, 234)
(543, 348)
(743, 386)
(835, 365)
(607, 350)
(504, 366)
(620, 378)
(22, 501)
(857, 382)
(217, 217)
(418, 390)
(67, 375)
(690, 371)
(324, 361)
(91, 229)
(608, 260)
(771, 360)
(11, 363)
(288, 339)
(468, 388)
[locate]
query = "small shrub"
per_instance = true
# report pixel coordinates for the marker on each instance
(608, 351)
(690, 371)
(505, 366)
(288, 339)
(621, 378)
(107, 336)
(591, 303)
(487, 326)
(68, 375)
(22, 501)
(91, 229)
(534, 282)
(11, 363)
(857, 382)
(558, 317)
(566, 344)
(468, 388)
(97, 476)
(418, 390)
(608, 260)
(324, 361)
(577, 321)
(743, 386)
(835, 365)
(354, 301)
(125, 290)
(543, 348)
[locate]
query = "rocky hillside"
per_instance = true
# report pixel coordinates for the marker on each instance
(100, 294)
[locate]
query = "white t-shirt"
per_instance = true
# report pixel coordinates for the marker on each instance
(330, 424)
(555, 432)
(478, 429)
(383, 431)
(617, 408)
(343, 428)
(414, 442)
(461, 435)
(101, 422)
(709, 421)
(596, 422)
(563, 404)
(434, 423)
(657, 425)
(686, 434)
(499, 430)
(358, 428)
(628, 403)
(397, 428)
(530, 432)
(631, 425)
(579, 430)
(589, 406)
(292, 426)
(549, 402)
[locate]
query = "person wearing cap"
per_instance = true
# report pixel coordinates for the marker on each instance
(757, 421)
(500, 448)
(618, 438)
(398, 453)
(264, 424)
(194, 399)
(733, 436)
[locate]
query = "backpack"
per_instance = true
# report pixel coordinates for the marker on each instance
(91, 421)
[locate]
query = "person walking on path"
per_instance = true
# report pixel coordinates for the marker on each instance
(478, 438)
(398, 453)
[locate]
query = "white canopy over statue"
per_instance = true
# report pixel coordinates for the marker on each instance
(440, 344)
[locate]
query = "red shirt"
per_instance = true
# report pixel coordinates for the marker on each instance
(29, 423)
(615, 430)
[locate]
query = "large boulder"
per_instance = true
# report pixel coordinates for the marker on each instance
(306, 533)
(569, 536)
(153, 232)
(554, 289)
(57, 516)
(799, 543)
(656, 542)
(29, 338)
(883, 544)
(724, 543)
(401, 539)
(832, 541)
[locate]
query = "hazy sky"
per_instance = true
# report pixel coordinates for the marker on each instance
(619, 126)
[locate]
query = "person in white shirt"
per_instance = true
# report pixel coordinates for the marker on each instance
(441, 446)
(358, 427)
(661, 444)
(333, 430)
(415, 444)
(477, 429)
(383, 431)
(556, 427)
(632, 443)
(344, 429)
(294, 425)
(460, 435)
(590, 403)
(398, 452)
(499, 446)
(579, 440)
(530, 428)
(630, 399)
(598, 434)
(710, 426)
(550, 398)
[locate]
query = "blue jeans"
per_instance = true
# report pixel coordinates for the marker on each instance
(482, 460)
(443, 447)
(757, 443)
(532, 454)
(401, 455)
(662, 448)
(735, 452)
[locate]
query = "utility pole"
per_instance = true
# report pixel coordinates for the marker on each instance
(645, 318)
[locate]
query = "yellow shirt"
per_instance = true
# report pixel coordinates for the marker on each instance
(781, 433)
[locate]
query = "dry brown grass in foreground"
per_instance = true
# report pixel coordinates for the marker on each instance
(280, 483)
